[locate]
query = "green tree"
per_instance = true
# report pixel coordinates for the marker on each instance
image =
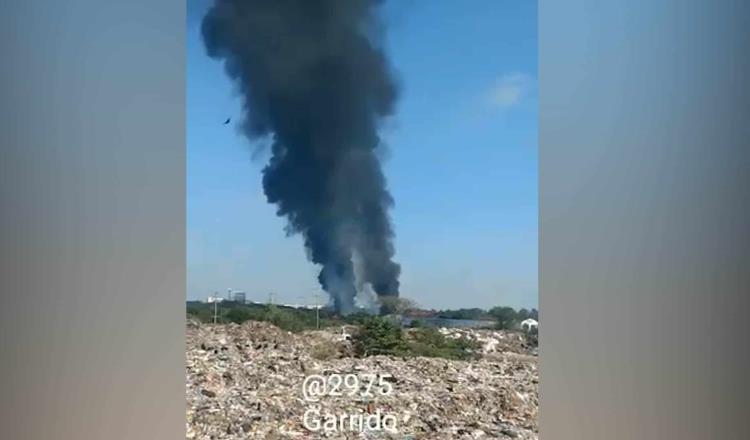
(534, 314)
(238, 315)
(474, 313)
(522, 315)
(506, 317)
(379, 336)
(284, 319)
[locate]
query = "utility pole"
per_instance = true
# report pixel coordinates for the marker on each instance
(216, 306)
(317, 311)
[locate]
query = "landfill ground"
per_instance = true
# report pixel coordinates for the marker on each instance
(246, 382)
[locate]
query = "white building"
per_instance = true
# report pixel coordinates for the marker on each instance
(528, 324)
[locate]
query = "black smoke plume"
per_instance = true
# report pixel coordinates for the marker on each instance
(313, 79)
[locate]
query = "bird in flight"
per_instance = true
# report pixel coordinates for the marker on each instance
(227, 121)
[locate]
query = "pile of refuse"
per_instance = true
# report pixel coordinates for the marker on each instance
(246, 382)
(494, 341)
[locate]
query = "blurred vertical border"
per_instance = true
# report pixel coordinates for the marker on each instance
(92, 219)
(644, 211)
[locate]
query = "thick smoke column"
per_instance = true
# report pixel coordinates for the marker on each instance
(313, 79)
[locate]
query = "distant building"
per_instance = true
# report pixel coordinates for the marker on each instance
(239, 297)
(419, 313)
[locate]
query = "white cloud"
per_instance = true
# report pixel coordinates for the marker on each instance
(509, 89)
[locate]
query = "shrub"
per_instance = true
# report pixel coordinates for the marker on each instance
(416, 324)
(379, 336)
(462, 314)
(356, 318)
(201, 314)
(430, 342)
(283, 319)
(506, 317)
(238, 316)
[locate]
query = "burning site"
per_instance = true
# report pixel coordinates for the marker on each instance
(393, 147)
(313, 80)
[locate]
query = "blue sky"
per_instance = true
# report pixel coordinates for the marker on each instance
(461, 165)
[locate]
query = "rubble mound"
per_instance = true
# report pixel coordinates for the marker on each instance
(245, 382)
(494, 341)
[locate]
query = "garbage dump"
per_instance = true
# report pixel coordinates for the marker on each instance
(245, 382)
